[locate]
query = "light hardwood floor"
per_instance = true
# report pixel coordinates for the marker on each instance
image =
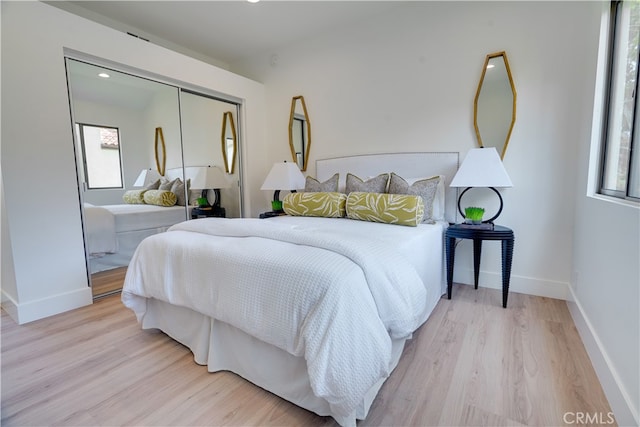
(107, 282)
(473, 363)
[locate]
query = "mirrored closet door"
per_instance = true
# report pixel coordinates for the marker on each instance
(140, 144)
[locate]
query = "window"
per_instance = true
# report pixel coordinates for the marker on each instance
(621, 154)
(100, 156)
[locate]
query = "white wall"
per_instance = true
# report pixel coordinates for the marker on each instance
(406, 82)
(45, 249)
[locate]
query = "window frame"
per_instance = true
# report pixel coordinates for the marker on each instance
(85, 168)
(634, 143)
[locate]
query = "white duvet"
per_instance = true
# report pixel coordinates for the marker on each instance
(334, 297)
(100, 230)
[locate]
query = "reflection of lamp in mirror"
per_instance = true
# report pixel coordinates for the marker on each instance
(207, 178)
(283, 176)
(482, 168)
(146, 178)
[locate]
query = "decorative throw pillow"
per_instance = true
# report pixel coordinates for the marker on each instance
(373, 185)
(160, 197)
(425, 188)
(178, 189)
(401, 209)
(313, 185)
(165, 184)
(134, 197)
(324, 204)
(153, 186)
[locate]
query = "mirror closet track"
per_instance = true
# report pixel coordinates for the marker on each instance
(149, 154)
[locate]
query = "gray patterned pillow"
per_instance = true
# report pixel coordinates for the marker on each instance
(153, 185)
(178, 189)
(426, 188)
(373, 185)
(165, 184)
(312, 185)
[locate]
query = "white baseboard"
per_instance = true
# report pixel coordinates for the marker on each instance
(34, 310)
(621, 404)
(519, 284)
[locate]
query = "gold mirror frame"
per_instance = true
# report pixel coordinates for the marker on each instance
(501, 148)
(229, 166)
(307, 143)
(160, 139)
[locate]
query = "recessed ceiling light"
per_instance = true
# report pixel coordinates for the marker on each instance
(490, 66)
(253, 1)
(104, 75)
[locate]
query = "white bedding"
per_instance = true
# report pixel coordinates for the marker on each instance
(114, 231)
(337, 292)
(101, 230)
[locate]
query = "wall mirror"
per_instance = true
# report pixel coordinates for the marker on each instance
(115, 115)
(494, 107)
(229, 142)
(299, 132)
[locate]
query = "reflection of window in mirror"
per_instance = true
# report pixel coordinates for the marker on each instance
(100, 155)
(230, 147)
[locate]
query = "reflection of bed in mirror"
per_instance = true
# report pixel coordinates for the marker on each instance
(307, 308)
(113, 232)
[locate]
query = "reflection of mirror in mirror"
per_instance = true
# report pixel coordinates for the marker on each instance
(299, 132)
(229, 142)
(160, 151)
(495, 104)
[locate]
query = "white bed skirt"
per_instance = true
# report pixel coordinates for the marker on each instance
(222, 347)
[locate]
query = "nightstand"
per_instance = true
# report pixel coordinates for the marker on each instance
(478, 235)
(208, 212)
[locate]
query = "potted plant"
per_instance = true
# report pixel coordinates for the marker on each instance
(473, 215)
(203, 202)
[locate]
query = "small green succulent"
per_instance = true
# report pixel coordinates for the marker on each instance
(474, 213)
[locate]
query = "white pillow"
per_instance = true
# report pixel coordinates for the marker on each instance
(438, 201)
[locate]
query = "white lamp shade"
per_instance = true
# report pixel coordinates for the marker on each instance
(482, 168)
(206, 177)
(284, 176)
(146, 177)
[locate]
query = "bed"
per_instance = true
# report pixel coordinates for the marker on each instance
(113, 232)
(315, 310)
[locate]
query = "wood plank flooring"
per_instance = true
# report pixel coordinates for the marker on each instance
(472, 364)
(107, 282)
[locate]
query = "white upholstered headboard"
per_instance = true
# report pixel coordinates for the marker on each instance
(407, 165)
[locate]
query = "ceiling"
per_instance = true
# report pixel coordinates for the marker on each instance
(225, 32)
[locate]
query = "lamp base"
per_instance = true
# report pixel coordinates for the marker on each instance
(490, 220)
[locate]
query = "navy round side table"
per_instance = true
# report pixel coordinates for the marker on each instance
(477, 234)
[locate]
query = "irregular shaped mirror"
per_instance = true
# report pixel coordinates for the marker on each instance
(299, 132)
(494, 107)
(229, 142)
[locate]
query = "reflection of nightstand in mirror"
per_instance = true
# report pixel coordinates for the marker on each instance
(478, 234)
(208, 212)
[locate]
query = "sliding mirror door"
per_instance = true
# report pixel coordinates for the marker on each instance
(117, 118)
(204, 144)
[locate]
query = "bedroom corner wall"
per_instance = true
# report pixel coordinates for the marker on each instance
(605, 286)
(41, 199)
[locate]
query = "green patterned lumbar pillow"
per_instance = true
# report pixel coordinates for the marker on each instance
(401, 209)
(328, 205)
(160, 198)
(134, 197)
